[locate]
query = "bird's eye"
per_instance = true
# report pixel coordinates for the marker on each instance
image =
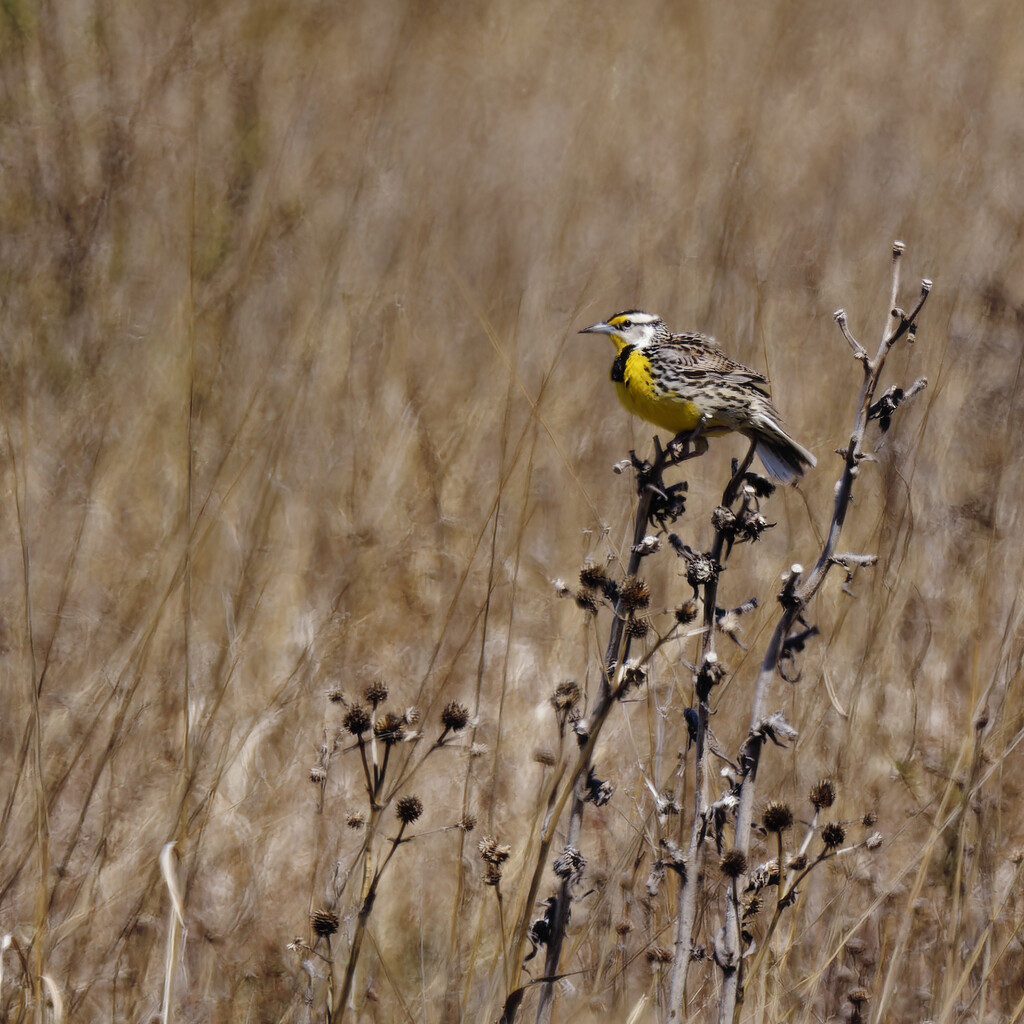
(626, 324)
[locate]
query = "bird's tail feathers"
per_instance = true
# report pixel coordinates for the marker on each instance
(782, 456)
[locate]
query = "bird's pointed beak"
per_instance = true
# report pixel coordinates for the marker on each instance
(599, 328)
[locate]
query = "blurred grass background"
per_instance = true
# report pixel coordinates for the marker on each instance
(292, 397)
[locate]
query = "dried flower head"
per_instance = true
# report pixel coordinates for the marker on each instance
(858, 996)
(1017, 856)
(753, 906)
(325, 922)
(570, 863)
(637, 629)
(408, 809)
(777, 816)
(593, 577)
(658, 955)
(724, 520)
(566, 695)
(390, 728)
(356, 819)
(634, 594)
(833, 835)
(492, 851)
(687, 612)
(734, 864)
(455, 716)
(335, 696)
(467, 822)
(411, 715)
(494, 854)
(376, 693)
(869, 819)
(597, 791)
(586, 601)
(318, 774)
(823, 794)
(701, 569)
(874, 841)
(623, 926)
(648, 546)
(634, 674)
(356, 720)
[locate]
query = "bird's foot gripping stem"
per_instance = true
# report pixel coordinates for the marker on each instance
(687, 444)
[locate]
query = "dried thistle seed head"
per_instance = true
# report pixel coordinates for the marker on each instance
(869, 819)
(634, 674)
(592, 577)
(467, 822)
(648, 546)
(658, 955)
(858, 996)
(408, 809)
(687, 612)
(701, 570)
(634, 594)
(455, 716)
(357, 720)
(1017, 856)
(823, 794)
(376, 693)
(797, 863)
(752, 524)
(335, 696)
(569, 863)
(411, 715)
(325, 922)
(544, 757)
(390, 728)
(623, 926)
(318, 774)
(492, 874)
(874, 841)
(777, 816)
(833, 835)
(724, 520)
(734, 864)
(753, 906)
(566, 695)
(585, 600)
(356, 819)
(492, 851)
(637, 629)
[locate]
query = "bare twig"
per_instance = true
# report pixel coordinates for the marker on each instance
(798, 589)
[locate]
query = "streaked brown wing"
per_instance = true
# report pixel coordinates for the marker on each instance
(694, 357)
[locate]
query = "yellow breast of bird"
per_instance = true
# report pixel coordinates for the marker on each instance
(642, 397)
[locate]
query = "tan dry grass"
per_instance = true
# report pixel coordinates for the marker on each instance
(280, 285)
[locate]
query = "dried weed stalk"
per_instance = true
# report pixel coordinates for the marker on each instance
(739, 518)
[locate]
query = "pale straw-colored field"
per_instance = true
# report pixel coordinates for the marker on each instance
(293, 401)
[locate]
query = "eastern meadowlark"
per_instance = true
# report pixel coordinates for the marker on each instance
(684, 383)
